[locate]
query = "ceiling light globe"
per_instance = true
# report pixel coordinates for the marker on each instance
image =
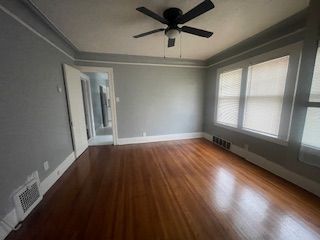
(172, 33)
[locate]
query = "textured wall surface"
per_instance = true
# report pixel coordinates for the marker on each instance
(34, 120)
(157, 100)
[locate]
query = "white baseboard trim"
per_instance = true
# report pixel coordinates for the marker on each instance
(12, 219)
(48, 182)
(207, 136)
(159, 138)
(278, 170)
(101, 140)
(274, 168)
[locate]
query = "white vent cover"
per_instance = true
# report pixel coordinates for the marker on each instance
(27, 197)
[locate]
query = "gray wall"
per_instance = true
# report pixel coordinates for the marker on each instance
(33, 116)
(157, 100)
(286, 156)
(97, 79)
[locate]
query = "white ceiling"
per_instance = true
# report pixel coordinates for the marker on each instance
(107, 26)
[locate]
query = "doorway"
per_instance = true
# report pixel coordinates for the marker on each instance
(99, 105)
(76, 109)
(87, 103)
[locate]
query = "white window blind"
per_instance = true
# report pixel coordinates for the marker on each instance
(264, 96)
(311, 133)
(315, 88)
(229, 97)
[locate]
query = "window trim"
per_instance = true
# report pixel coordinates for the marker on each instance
(311, 104)
(294, 53)
(232, 68)
(254, 134)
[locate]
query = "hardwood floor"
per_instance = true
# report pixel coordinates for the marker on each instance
(187, 189)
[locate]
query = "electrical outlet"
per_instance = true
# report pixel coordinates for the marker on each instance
(59, 89)
(144, 134)
(34, 175)
(46, 165)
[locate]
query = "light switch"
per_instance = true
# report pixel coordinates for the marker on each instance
(117, 99)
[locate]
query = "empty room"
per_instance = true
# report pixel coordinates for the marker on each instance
(160, 120)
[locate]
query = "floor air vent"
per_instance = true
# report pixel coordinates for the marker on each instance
(221, 142)
(26, 198)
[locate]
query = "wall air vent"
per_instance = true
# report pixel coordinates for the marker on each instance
(221, 142)
(27, 197)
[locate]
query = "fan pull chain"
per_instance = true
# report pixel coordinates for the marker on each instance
(180, 44)
(164, 46)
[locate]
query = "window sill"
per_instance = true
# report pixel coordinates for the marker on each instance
(309, 155)
(310, 150)
(253, 134)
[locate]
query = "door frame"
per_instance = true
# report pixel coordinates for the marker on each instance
(104, 91)
(109, 71)
(76, 112)
(88, 99)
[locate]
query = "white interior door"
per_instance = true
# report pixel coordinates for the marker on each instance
(76, 109)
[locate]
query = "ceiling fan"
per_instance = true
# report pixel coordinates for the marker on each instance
(173, 17)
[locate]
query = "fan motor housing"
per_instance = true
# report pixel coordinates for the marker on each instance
(172, 14)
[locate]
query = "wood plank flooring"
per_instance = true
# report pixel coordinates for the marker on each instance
(187, 189)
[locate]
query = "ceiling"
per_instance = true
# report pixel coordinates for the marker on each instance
(107, 26)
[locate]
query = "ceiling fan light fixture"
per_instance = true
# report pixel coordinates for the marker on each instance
(172, 17)
(172, 33)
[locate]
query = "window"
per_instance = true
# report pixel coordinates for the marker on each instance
(311, 133)
(256, 96)
(264, 96)
(315, 88)
(229, 97)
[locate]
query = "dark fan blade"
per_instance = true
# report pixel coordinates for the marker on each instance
(152, 14)
(148, 33)
(203, 7)
(196, 31)
(171, 42)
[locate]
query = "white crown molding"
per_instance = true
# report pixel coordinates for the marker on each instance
(34, 31)
(196, 66)
(136, 63)
(5, 10)
(256, 47)
(41, 14)
(141, 64)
